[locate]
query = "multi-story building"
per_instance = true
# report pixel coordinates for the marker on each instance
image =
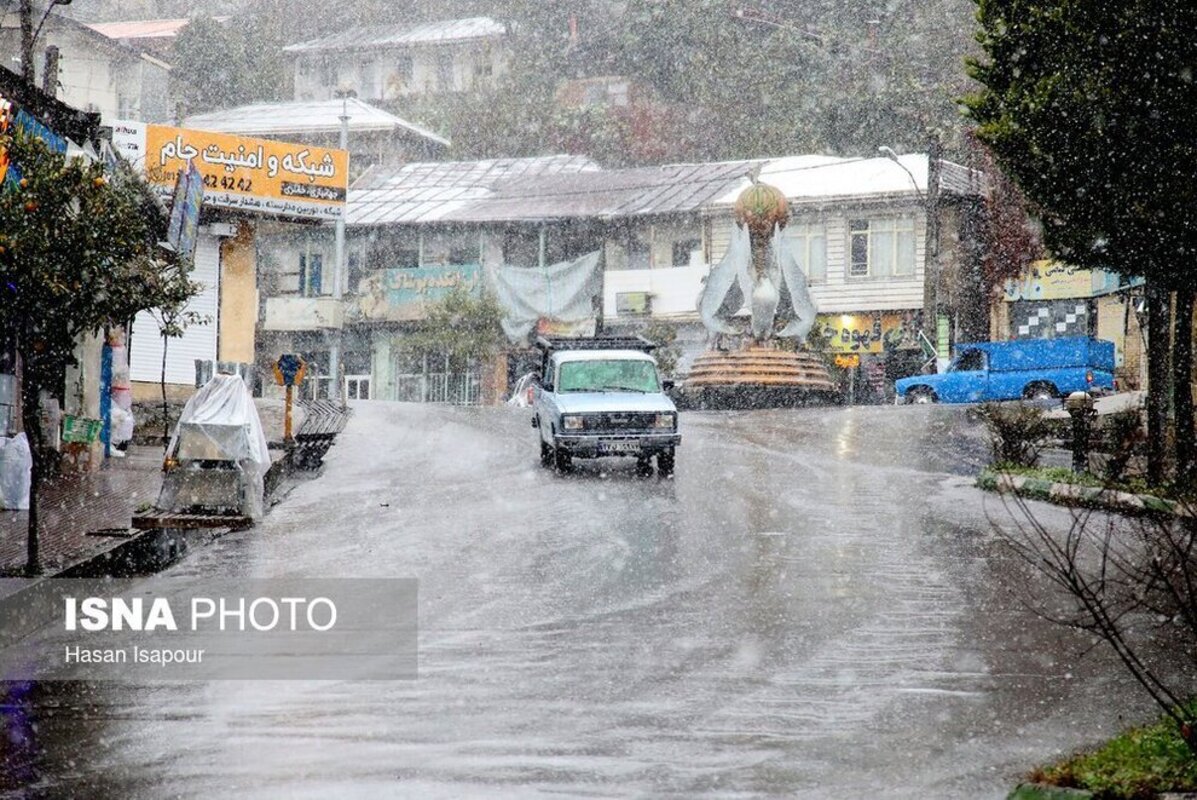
(114, 77)
(859, 227)
(390, 62)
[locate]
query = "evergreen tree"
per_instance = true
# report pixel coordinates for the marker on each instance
(1089, 107)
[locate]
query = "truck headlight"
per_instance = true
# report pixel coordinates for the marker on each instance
(574, 423)
(665, 421)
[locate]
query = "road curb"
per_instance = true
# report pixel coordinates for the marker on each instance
(1042, 791)
(1071, 494)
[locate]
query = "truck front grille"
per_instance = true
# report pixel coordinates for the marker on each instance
(615, 421)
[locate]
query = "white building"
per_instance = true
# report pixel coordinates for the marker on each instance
(96, 73)
(389, 62)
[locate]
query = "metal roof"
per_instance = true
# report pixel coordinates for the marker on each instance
(822, 178)
(373, 37)
(434, 191)
(306, 117)
(667, 189)
(145, 28)
(573, 187)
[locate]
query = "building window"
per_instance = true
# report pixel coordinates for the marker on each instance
(444, 72)
(405, 70)
(311, 267)
(808, 243)
(881, 248)
(328, 74)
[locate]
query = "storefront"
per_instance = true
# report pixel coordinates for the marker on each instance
(247, 183)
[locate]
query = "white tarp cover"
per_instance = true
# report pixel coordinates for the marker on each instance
(16, 463)
(220, 422)
(564, 292)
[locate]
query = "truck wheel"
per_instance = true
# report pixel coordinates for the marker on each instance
(1040, 391)
(665, 463)
(644, 466)
(546, 455)
(920, 395)
(562, 460)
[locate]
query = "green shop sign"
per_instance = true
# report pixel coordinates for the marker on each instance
(400, 295)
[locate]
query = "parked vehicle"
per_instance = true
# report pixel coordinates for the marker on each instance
(1023, 368)
(603, 397)
(521, 395)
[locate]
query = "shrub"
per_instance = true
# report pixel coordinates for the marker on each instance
(1017, 432)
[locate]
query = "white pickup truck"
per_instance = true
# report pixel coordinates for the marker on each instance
(603, 397)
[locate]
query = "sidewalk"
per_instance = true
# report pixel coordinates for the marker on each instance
(71, 506)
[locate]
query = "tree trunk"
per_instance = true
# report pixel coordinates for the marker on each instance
(1157, 379)
(1182, 386)
(31, 419)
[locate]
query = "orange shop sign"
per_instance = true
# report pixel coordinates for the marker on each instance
(256, 175)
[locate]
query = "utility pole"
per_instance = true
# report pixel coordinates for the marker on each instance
(50, 71)
(27, 72)
(931, 279)
(334, 350)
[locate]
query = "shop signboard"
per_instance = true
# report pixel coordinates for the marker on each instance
(401, 295)
(239, 172)
(1053, 280)
(13, 118)
(870, 332)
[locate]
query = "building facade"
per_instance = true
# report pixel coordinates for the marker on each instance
(383, 63)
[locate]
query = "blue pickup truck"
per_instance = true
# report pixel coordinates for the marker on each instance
(1026, 368)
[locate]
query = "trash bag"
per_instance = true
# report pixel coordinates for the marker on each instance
(16, 464)
(122, 424)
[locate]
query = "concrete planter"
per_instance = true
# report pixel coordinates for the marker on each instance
(1071, 494)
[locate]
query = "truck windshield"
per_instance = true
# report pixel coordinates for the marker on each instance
(608, 376)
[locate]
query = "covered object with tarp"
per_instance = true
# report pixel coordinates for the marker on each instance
(217, 459)
(564, 292)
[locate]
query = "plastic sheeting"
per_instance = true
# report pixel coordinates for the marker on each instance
(564, 292)
(16, 464)
(219, 423)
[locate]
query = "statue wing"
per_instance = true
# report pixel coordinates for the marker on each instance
(724, 292)
(802, 306)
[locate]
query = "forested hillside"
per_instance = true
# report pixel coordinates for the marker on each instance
(729, 79)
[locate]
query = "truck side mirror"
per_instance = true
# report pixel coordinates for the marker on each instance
(668, 384)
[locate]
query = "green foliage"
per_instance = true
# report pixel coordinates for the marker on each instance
(462, 327)
(1017, 432)
(1140, 763)
(1103, 150)
(668, 352)
(77, 252)
(212, 69)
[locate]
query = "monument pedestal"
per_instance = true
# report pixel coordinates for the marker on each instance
(758, 377)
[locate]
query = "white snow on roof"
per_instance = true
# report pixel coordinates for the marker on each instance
(816, 177)
(306, 117)
(383, 36)
(431, 191)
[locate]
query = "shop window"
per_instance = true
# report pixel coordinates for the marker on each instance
(311, 269)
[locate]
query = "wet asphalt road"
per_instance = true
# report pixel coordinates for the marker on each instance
(814, 607)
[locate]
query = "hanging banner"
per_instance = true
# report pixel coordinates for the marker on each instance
(256, 175)
(185, 212)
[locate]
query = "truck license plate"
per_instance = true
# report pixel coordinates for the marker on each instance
(619, 447)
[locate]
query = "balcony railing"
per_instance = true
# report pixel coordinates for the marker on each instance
(303, 314)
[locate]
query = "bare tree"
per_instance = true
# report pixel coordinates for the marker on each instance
(1120, 578)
